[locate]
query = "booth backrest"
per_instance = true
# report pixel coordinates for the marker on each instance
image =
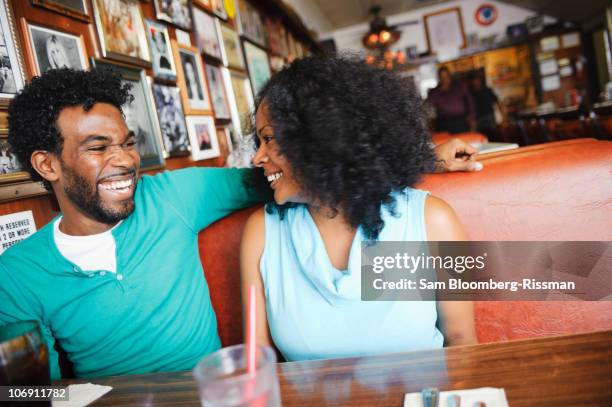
(560, 191)
(468, 137)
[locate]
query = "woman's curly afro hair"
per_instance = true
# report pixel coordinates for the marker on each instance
(33, 113)
(352, 133)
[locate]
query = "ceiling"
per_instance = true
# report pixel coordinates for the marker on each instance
(578, 11)
(343, 13)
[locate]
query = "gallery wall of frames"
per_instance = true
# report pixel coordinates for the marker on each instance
(195, 66)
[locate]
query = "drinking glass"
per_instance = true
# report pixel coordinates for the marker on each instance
(24, 357)
(223, 380)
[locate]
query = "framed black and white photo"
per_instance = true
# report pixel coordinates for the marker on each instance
(207, 33)
(176, 12)
(161, 54)
(12, 74)
(232, 53)
(191, 79)
(121, 31)
(8, 160)
(250, 24)
(203, 137)
(140, 115)
(73, 8)
(217, 92)
(171, 120)
(52, 49)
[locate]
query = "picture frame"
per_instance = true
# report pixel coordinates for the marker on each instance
(10, 169)
(78, 9)
(176, 12)
(230, 47)
(224, 134)
(207, 33)
(12, 66)
(257, 64)
(203, 137)
(162, 59)
(218, 95)
(142, 120)
(191, 80)
(240, 100)
(47, 48)
(171, 120)
(444, 30)
(205, 4)
(250, 24)
(218, 9)
(128, 43)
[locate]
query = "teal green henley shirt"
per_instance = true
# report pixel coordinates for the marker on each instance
(155, 313)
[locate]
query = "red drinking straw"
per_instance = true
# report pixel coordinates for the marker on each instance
(251, 343)
(252, 350)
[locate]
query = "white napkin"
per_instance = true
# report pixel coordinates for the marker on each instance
(492, 396)
(82, 394)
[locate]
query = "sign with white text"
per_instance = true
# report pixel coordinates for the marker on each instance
(15, 227)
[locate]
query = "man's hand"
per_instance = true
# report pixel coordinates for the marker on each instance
(456, 155)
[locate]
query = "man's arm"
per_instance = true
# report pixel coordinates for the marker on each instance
(17, 305)
(203, 195)
(456, 155)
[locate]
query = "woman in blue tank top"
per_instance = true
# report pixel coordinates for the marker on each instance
(341, 144)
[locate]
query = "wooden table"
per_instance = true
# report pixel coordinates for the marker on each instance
(558, 371)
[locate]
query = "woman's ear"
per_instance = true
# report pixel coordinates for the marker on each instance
(45, 164)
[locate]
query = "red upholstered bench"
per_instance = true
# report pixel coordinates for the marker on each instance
(469, 137)
(557, 191)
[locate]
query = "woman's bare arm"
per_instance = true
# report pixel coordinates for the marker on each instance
(457, 317)
(251, 249)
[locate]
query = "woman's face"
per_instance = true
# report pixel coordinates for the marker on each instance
(276, 167)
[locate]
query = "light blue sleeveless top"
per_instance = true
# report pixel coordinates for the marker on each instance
(315, 310)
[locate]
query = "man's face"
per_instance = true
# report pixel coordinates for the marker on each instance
(99, 162)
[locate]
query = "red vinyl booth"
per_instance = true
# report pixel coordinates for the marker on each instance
(469, 137)
(558, 191)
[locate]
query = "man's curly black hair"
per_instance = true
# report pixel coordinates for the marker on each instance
(352, 133)
(33, 113)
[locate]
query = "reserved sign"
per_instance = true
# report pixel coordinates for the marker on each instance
(15, 227)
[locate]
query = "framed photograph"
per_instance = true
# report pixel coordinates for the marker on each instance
(121, 31)
(257, 64)
(240, 100)
(232, 54)
(175, 12)
(444, 30)
(10, 168)
(203, 137)
(72, 8)
(161, 54)
(191, 79)
(218, 8)
(140, 115)
(171, 120)
(47, 49)
(207, 33)
(217, 92)
(12, 74)
(205, 4)
(225, 139)
(250, 24)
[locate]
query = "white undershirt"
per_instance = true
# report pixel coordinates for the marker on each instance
(90, 253)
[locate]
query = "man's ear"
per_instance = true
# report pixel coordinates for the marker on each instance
(46, 164)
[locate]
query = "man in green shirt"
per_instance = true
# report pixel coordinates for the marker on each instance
(116, 279)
